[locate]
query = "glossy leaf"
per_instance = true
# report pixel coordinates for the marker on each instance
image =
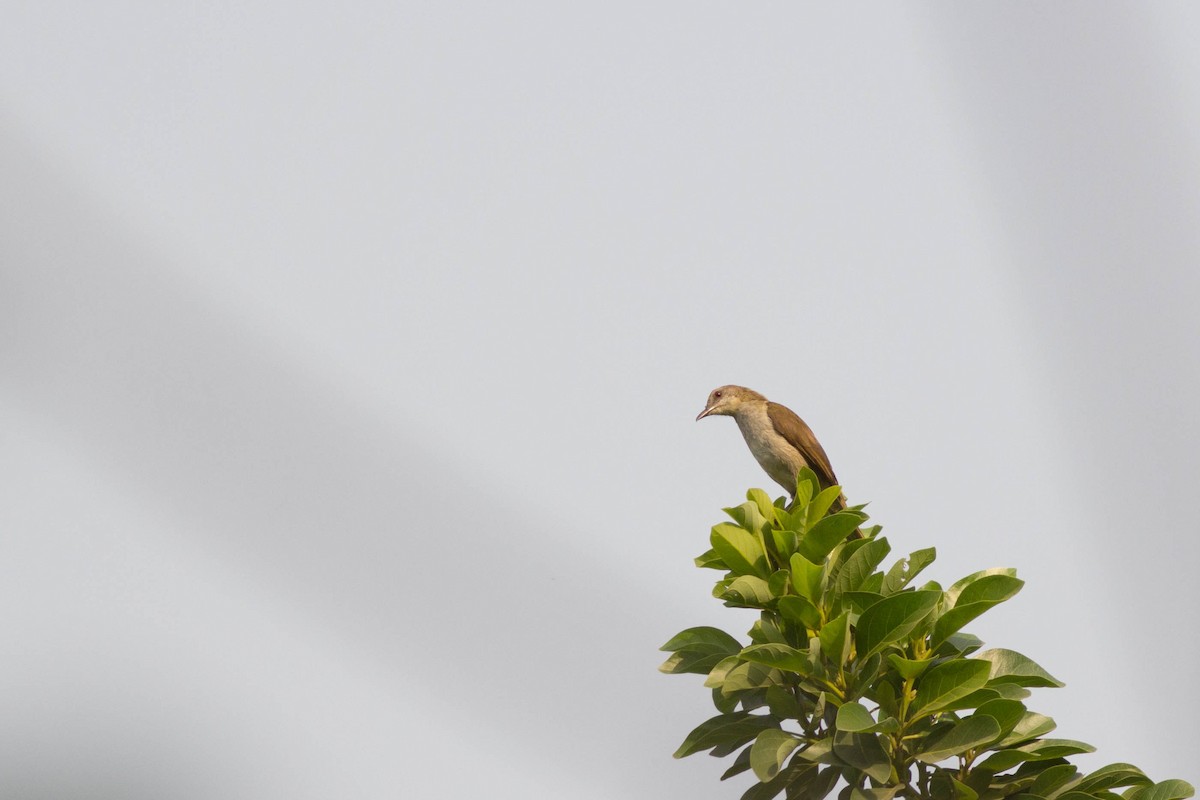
(908, 668)
(946, 682)
(740, 549)
(828, 534)
(749, 591)
(806, 578)
(975, 599)
(835, 639)
(892, 619)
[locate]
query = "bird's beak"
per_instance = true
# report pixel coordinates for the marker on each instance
(705, 413)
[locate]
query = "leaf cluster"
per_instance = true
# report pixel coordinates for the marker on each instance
(854, 676)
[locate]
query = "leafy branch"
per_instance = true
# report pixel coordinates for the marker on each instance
(853, 676)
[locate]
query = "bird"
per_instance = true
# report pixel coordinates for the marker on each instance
(780, 441)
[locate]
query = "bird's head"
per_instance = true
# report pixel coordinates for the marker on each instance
(726, 400)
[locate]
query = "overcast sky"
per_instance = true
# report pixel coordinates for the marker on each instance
(349, 357)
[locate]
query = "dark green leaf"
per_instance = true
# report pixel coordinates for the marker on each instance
(828, 534)
(765, 631)
(1009, 666)
(882, 793)
(814, 785)
(770, 750)
(740, 764)
(798, 609)
(781, 656)
(783, 703)
(863, 751)
(723, 729)
(962, 644)
(947, 682)
(740, 549)
(963, 736)
(892, 619)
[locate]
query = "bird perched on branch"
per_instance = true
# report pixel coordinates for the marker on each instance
(781, 442)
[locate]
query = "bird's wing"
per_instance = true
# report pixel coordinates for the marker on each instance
(800, 436)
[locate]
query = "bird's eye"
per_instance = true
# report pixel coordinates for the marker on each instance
(716, 394)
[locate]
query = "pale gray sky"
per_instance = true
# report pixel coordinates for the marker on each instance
(349, 357)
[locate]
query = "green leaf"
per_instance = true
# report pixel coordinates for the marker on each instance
(975, 599)
(835, 641)
(780, 656)
(1031, 726)
(762, 501)
(698, 650)
(785, 541)
(769, 751)
(863, 751)
(860, 601)
(892, 619)
(947, 682)
(881, 793)
(717, 675)
(961, 644)
(806, 578)
(747, 591)
(828, 534)
(798, 609)
(1163, 790)
(1112, 776)
(1009, 666)
(807, 484)
(740, 764)
(853, 717)
(705, 638)
(751, 675)
(904, 570)
(821, 504)
(1007, 713)
(861, 564)
(783, 703)
(710, 560)
(723, 729)
(777, 584)
(959, 586)
(908, 668)
(1038, 750)
(962, 736)
(740, 549)
(1053, 781)
(765, 631)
